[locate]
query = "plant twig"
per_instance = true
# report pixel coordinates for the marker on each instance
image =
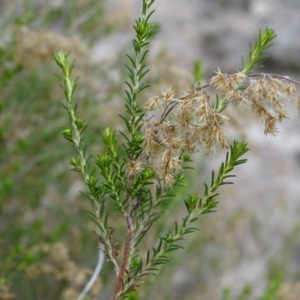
(120, 279)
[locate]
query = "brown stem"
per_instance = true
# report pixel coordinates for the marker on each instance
(167, 110)
(120, 279)
(276, 76)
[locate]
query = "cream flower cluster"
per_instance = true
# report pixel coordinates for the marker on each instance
(263, 92)
(191, 122)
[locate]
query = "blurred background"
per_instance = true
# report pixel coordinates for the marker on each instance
(248, 249)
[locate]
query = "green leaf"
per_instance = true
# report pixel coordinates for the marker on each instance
(256, 55)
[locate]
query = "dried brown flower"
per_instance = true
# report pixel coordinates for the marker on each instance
(190, 121)
(134, 168)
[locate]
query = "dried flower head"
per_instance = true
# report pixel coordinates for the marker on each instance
(134, 168)
(190, 121)
(265, 93)
(32, 47)
(187, 123)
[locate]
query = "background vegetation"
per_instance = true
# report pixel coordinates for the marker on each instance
(47, 248)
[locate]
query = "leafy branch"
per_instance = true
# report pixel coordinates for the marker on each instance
(139, 181)
(74, 134)
(195, 207)
(138, 199)
(256, 54)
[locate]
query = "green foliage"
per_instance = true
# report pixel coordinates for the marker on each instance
(198, 71)
(124, 181)
(127, 180)
(256, 54)
(37, 208)
(270, 292)
(134, 215)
